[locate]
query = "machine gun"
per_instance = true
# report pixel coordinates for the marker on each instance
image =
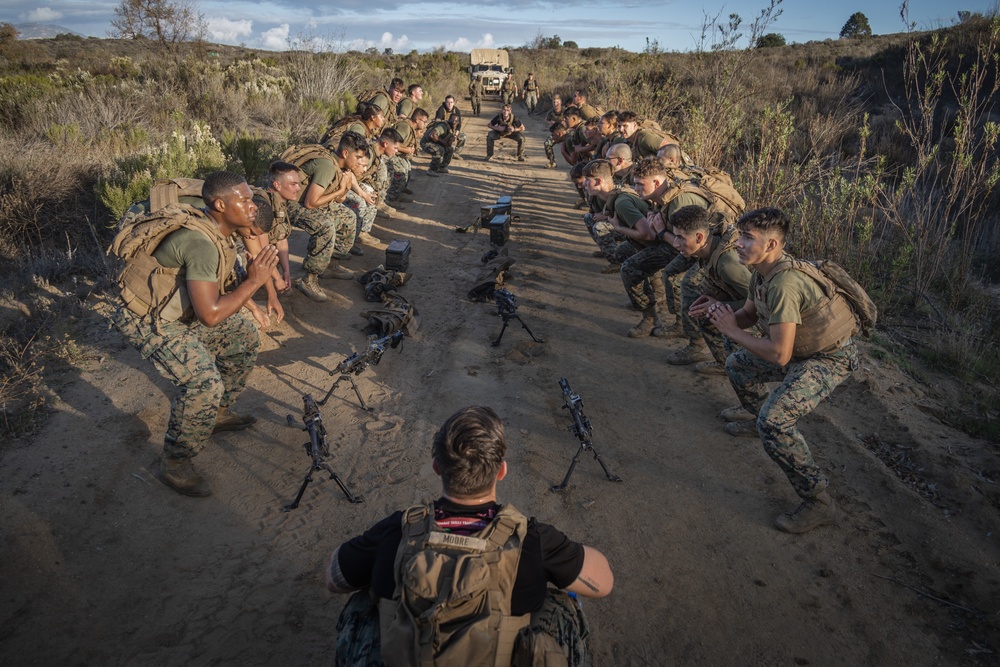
(507, 309)
(359, 361)
(582, 429)
(317, 449)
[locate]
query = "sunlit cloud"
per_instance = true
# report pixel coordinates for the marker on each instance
(275, 39)
(228, 30)
(42, 15)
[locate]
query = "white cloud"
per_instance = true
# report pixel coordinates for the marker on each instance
(389, 42)
(486, 41)
(275, 39)
(228, 30)
(42, 15)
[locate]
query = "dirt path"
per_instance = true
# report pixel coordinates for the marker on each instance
(101, 564)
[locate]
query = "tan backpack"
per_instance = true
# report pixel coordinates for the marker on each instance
(299, 154)
(451, 606)
(368, 97)
(331, 138)
(147, 287)
(844, 310)
(725, 199)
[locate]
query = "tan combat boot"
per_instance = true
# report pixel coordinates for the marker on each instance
(338, 272)
(813, 513)
(743, 429)
(737, 413)
(709, 368)
(232, 421)
(673, 330)
(645, 325)
(692, 353)
(180, 475)
(368, 239)
(309, 285)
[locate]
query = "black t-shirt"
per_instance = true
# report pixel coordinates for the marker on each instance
(511, 123)
(546, 555)
(443, 114)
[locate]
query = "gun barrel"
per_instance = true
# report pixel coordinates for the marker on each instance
(564, 385)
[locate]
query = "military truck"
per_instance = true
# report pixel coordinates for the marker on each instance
(493, 65)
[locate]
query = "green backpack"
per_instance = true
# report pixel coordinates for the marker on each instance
(451, 606)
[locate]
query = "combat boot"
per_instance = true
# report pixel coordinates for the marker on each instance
(692, 353)
(645, 325)
(309, 285)
(386, 211)
(180, 475)
(673, 330)
(521, 158)
(747, 429)
(338, 272)
(709, 368)
(551, 165)
(368, 239)
(738, 413)
(813, 513)
(228, 420)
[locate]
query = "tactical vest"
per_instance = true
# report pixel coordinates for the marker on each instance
(445, 138)
(588, 111)
(530, 85)
(721, 243)
(281, 228)
(825, 327)
(148, 287)
(370, 97)
(331, 138)
(451, 606)
(168, 191)
(299, 154)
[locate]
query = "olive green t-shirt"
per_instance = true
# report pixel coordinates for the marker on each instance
(735, 277)
(405, 107)
(789, 294)
(192, 251)
(645, 143)
(588, 111)
(322, 172)
(629, 209)
(685, 199)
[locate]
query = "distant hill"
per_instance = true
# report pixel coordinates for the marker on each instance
(42, 31)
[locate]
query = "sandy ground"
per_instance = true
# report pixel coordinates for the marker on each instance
(100, 564)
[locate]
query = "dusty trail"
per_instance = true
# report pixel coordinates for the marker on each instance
(104, 565)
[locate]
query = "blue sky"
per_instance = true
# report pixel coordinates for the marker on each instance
(460, 26)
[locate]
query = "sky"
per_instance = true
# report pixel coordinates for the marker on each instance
(424, 25)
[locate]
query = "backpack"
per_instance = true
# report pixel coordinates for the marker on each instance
(147, 287)
(451, 605)
(331, 138)
(368, 97)
(650, 124)
(169, 191)
(299, 154)
(726, 200)
(865, 310)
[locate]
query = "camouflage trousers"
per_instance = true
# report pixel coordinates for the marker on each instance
(550, 149)
(492, 137)
(642, 275)
(440, 155)
(604, 235)
(508, 98)
(399, 177)
(692, 285)
(804, 383)
(363, 211)
(208, 365)
(476, 104)
(531, 100)
(558, 628)
(329, 227)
